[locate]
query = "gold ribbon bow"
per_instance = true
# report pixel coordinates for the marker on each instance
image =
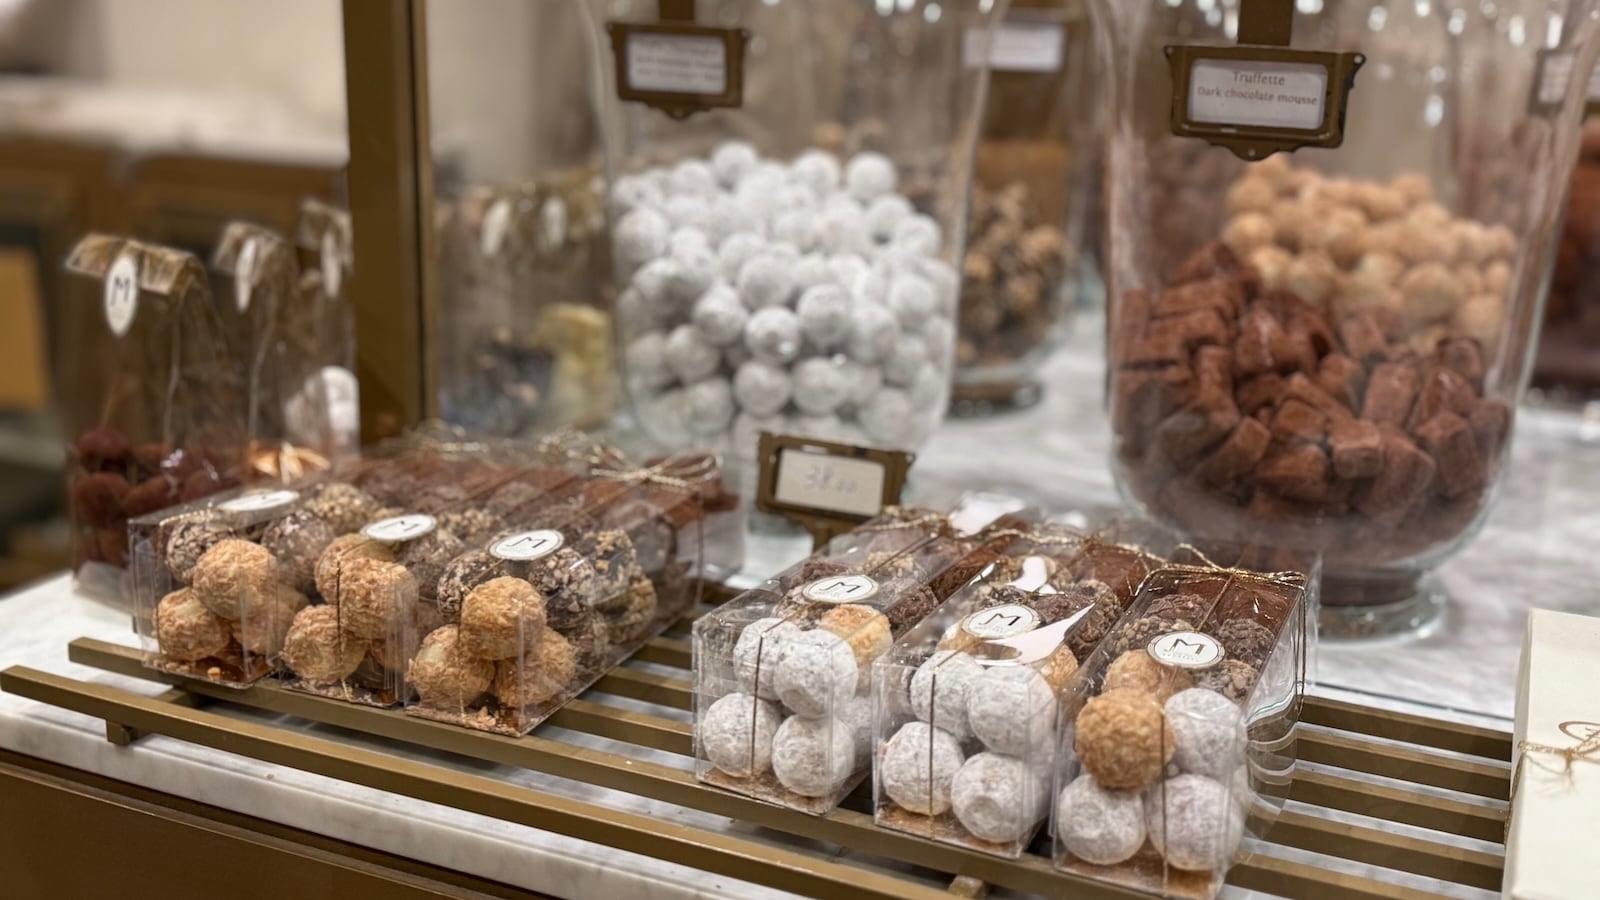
(1569, 756)
(686, 472)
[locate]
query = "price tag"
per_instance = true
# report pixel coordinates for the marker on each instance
(825, 486)
(839, 483)
(259, 501)
(244, 274)
(841, 589)
(1186, 650)
(680, 69)
(528, 545)
(1257, 101)
(1000, 622)
(1015, 47)
(397, 529)
(122, 292)
(1258, 92)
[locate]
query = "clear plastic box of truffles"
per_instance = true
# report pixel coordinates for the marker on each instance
(532, 616)
(783, 710)
(965, 711)
(1178, 733)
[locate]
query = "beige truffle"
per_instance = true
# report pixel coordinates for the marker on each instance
(1059, 667)
(865, 629)
(1341, 233)
(186, 630)
(1374, 277)
(1273, 263)
(1418, 243)
(1430, 293)
(1247, 232)
(1312, 276)
(347, 547)
(501, 617)
(1137, 670)
(542, 676)
(1414, 187)
(376, 598)
(317, 650)
(444, 674)
(1122, 739)
(265, 625)
(1481, 318)
(1430, 216)
(235, 574)
(1502, 242)
(1497, 278)
(1292, 221)
(1274, 171)
(1381, 203)
(1251, 195)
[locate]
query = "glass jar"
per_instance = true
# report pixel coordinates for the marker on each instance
(776, 272)
(1567, 366)
(1322, 350)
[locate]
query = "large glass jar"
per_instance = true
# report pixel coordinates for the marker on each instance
(1568, 363)
(1322, 349)
(775, 272)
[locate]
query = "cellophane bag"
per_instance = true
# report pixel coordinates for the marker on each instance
(324, 411)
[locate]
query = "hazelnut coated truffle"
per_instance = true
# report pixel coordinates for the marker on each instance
(1232, 678)
(1122, 739)
(298, 540)
(376, 598)
(317, 650)
(540, 676)
(344, 507)
(1138, 670)
(265, 625)
(234, 575)
(186, 630)
(502, 617)
(427, 556)
(344, 550)
(630, 613)
(865, 629)
(187, 540)
(445, 675)
(1246, 640)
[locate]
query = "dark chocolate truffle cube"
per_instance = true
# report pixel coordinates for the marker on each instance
(1491, 424)
(1196, 428)
(1260, 393)
(1406, 475)
(1222, 297)
(1145, 397)
(1213, 368)
(1363, 339)
(1237, 455)
(1443, 390)
(1465, 357)
(1295, 473)
(1304, 388)
(1448, 439)
(1343, 379)
(1357, 449)
(1261, 345)
(1296, 422)
(1214, 260)
(1390, 393)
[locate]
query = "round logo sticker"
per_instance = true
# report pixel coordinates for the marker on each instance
(841, 589)
(526, 545)
(1000, 622)
(122, 292)
(244, 275)
(400, 528)
(1186, 650)
(259, 502)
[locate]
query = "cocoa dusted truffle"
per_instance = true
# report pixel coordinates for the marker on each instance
(149, 495)
(461, 575)
(298, 541)
(501, 618)
(317, 650)
(344, 507)
(1232, 678)
(102, 447)
(912, 603)
(1138, 670)
(235, 575)
(1122, 739)
(1246, 640)
(445, 675)
(376, 598)
(339, 554)
(186, 630)
(541, 676)
(187, 540)
(865, 629)
(630, 613)
(265, 625)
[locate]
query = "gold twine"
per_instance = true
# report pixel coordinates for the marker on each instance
(1569, 756)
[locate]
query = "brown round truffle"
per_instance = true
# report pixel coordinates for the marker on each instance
(1185, 607)
(340, 553)
(865, 629)
(1137, 670)
(100, 448)
(344, 507)
(376, 598)
(566, 578)
(186, 630)
(444, 674)
(615, 561)
(1246, 640)
(1122, 739)
(501, 618)
(265, 625)
(298, 541)
(149, 495)
(629, 614)
(317, 650)
(187, 540)
(1138, 634)
(911, 604)
(1232, 678)
(543, 674)
(235, 575)
(590, 636)
(461, 575)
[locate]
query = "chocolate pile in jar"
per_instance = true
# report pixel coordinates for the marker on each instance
(1330, 394)
(1567, 356)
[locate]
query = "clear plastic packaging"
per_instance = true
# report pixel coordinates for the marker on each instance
(773, 273)
(783, 710)
(150, 401)
(324, 412)
(1178, 732)
(1567, 364)
(965, 711)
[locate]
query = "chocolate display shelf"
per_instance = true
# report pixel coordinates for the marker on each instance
(1383, 803)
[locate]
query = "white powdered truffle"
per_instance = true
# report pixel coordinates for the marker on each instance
(694, 269)
(846, 268)
(1208, 732)
(810, 271)
(756, 654)
(886, 212)
(651, 283)
(939, 333)
(917, 234)
(844, 229)
(939, 690)
(918, 764)
(639, 313)
(817, 674)
(1192, 822)
(727, 217)
(631, 191)
(747, 428)
(692, 176)
(733, 160)
(719, 317)
(1012, 709)
(824, 311)
(687, 240)
(872, 333)
(813, 757)
(871, 288)
(913, 300)
(689, 357)
(766, 280)
(869, 175)
(800, 227)
(905, 360)
(736, 250)
(668, 415)
(820, 386)
(863, 381)
(857, 716)
(687, 211)
(1099, 826)
(646, 359)
(762, 389)
(773, 335)
(710, 406)
(736, 734)
(818, 170)
(641, 236)
(928, 389)
(999, 798)
(886, 416)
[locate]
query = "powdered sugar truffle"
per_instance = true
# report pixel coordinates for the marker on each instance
(639, 313)
(885, 213)
(687, 210)
(918, 764)
(844, 229)
(646, 358)
(733, 160)
(869, 175)
(809, 271)
(870, 288)
(872, 333)
(694, 268)
(863, 381)
(641, 235)
(939, 690)
(718, 316)
(710, 406)
(800, 227)
(817, 673)
(818, 170)
(692, 176)
(668, 415)
(773, 335)
(913, 300)
(1192, 823)
(756, 654)
(886, 416)
(824, 311)
(736, 734)
(846, 268)
(813, 757)
(766, 280)
(918, 234)
(631, 192)
(1012, 709)
(1208, 732)
(689, 357)
(747, 430)
(928, 388)
(998, 798)
(940, 336)
(819, 386)
(856, 715)
(905, 360)
(736, 250)
(687, 239)
(762, 389)
(1099, 826)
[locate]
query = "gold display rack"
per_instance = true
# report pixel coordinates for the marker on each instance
(1394, 769)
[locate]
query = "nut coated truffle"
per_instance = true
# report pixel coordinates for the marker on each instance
(444, 674)
(1192, 822)
(917, 767)
(865, 629)
(298, 541)
(316, 650)
(756, 655)
(1231, 678)
(187, 541)
(375, 598)
(940, 688)
(265, 625)
(1122, 739)
(630, 613)
(1209, 730)
(1099, 826)
(1246, 640)
(345, 507)
(427, 556)
(235, 575)
(736, 734)
(813, 757)
(1139, 671)
(344, 549)
(501, 617)
(461, 575)
(538, 678)
(1012, 709)
(817, 673)
(998, 798)
(1138, 634)
(186, 630)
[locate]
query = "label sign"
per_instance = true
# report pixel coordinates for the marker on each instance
(528, 545)
(1186, 650)
(244, 274)
(680, 69)
(1258, 92)
(122, 292)
(1000, 622)
(1257, 101)
(1015, 47)
(400, 528)
(825, 486)
(838, 483)
(259, 502)
(841, 589)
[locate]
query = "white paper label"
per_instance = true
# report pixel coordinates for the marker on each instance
(677, 63)
(841, 589)
(980, 509)
(835, 483)
(259, 502)
(122, 293)
(528, 545)
(332, 266)
(1000, 622)
(1553, 79)
(495, 223)
(1186, 650)
(244, 274)
(400, 528)
(1258, 93)
(1017, 47)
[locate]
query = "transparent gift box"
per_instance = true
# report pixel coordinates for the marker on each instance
(964, 704)
(1178, 733)
(783, 710)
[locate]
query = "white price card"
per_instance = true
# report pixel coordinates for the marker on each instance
(260, 501)
(677, 63)
(832, 483)
(1017, 46)
(1260, 93)
(122, 292)
(396, 529)
(528, 545)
